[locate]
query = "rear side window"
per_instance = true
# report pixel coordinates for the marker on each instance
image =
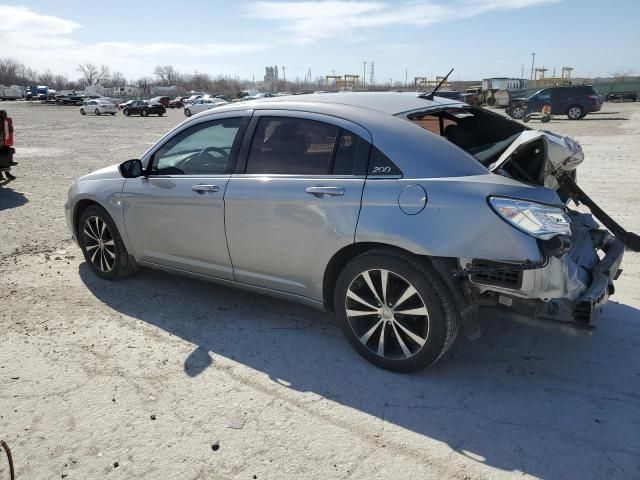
(352, 153)
(292, 146)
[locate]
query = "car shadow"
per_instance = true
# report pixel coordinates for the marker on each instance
(10, 198)
(517, 399)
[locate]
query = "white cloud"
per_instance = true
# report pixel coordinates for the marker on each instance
(45, 41)
(320, 19)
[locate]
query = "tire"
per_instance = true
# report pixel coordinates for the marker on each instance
(160, 114)
(113, 114)
(82, 112)
(187, 112)
(491, 101)
(102, 246)
(126, 112)
(516, 112)
(410, 342)
(144, 113)
(575, 112)
(545, 119)
(97, 112)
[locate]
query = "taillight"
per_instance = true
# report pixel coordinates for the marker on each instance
(7, 132)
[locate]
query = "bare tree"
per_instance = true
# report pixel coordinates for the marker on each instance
(144, 84)
(167, 75)
(117, 79)
(46, 78)
(60, 82)
(9, 71)
(92, 74)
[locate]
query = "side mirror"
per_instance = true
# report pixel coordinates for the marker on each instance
(131, 168)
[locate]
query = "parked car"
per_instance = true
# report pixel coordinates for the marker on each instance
(202, 104)
(6, 147)
(193, 98)
(177, 102)
(339, 201)
(574, 101)
(122, 105)
(98, 107)
(144, 109)
(164, 101)
(622, 96)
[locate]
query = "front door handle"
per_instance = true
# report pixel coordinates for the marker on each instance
(320, 191)
(205, 188)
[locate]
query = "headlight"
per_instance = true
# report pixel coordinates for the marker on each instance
(540, 221)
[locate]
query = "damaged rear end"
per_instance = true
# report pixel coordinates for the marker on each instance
(579, 258)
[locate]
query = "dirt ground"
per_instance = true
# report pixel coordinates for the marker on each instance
(162, 377)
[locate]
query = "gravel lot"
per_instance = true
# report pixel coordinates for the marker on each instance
(162, 377)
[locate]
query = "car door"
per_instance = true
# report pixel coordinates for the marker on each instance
(295, 198)
(174, 216)
(560, 100)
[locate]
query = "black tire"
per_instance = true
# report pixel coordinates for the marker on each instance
(517, 112)
(113, 114)
(491, 101)
(144, 113)
(160, 114)
(82, 112)
(126, 112)
(187, 112)
(97, 112)
(94, 242)
(439, 324)
(575, 112)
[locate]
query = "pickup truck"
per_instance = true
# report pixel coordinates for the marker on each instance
(6, 146)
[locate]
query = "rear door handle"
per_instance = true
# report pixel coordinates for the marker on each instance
(320, 191)
(205, 188)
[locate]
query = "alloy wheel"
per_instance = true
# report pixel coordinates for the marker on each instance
(517, 112)
(387, 314)
(99, 244)
(575, 112)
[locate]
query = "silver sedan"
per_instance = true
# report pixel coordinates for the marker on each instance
(405, 216)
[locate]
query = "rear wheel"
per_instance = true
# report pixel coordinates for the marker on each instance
(144, 113)
(113, 113)
(82, 112)
(187, 112)
(102, 245)
(97, 111)
(395, 311)
(575, 112)
(126, 112)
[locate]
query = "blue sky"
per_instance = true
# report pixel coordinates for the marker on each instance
(480, 38)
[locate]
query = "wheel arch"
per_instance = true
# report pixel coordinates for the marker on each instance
(81, 206)
(343, 256)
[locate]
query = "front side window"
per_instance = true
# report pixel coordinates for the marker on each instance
(204, 149)
(294, 146)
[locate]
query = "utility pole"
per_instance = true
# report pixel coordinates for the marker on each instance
(522, 71)
(284, 75)
(406, 76)
(372, 79)
(364, 76)
(533, 62)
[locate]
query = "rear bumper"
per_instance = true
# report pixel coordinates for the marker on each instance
(572, 288)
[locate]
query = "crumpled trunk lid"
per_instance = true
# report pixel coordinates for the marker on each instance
(561, 154)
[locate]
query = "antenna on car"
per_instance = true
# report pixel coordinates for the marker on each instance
(430, 95)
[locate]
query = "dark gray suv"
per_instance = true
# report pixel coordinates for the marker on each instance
(574, 101)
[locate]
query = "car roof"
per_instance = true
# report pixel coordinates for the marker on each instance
(381, 114)
(392, 103)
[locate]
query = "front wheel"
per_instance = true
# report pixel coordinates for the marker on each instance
(96, 111)
(144, 113)
(82, 112)
(126, 112)
(102, 245)
(516, 112)
(575, 112)
(395, 311)
(187, 112)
